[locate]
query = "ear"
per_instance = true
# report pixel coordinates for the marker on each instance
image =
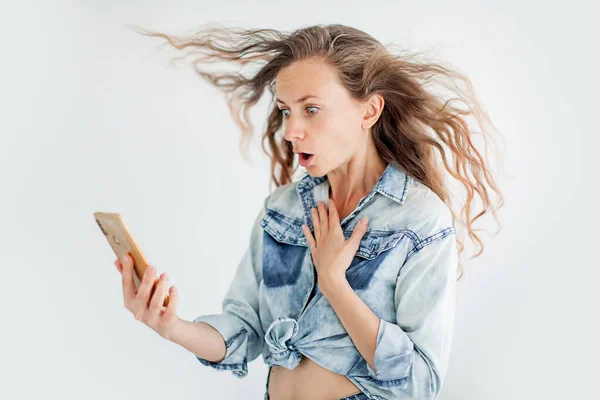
(373, 109)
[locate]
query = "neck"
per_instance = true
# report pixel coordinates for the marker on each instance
(355, 179)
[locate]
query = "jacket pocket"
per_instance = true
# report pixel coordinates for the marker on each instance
(374, 248)
(283, 228)
(284, 249)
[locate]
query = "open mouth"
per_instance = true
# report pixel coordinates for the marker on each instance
(305, 159)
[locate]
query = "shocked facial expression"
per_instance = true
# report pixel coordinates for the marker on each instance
(321, 119)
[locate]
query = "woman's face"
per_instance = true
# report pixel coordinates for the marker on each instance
(327, 125)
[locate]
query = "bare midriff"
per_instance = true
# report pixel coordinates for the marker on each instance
(308, 381)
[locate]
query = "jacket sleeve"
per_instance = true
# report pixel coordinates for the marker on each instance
(239, 323)
(412, 353)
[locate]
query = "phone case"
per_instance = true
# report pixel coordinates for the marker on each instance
(122, 243)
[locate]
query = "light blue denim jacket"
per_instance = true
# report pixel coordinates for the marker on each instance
(404, 271)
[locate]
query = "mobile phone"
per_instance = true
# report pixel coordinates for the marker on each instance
(122, 242)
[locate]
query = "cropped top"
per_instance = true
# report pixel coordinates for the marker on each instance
(404, 271)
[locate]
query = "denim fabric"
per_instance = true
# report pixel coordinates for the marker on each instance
(404, 271)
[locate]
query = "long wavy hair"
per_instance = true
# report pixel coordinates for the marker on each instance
(421, 131)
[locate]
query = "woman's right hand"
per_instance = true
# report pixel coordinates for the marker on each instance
(149, 310)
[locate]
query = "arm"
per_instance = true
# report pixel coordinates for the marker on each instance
(238, 325)
(199, 338)
(357, 318)
(416, 347)
(409, 356)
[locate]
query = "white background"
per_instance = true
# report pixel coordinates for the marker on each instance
(94, 119)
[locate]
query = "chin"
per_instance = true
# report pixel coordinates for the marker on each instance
(317, 169)
(315, 173)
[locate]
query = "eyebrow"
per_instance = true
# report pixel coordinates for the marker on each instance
(301, 99)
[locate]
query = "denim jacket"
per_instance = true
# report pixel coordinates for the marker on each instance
(404, 271)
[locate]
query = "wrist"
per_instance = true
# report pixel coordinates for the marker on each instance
(332, 282)
(171, 333)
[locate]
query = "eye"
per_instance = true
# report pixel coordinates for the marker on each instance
(315, 108)
(307, 108)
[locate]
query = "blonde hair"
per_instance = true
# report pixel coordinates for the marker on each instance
(417, 130)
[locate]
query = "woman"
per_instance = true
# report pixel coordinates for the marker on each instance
(348, 285)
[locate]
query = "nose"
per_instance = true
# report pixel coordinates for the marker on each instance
(293, 130)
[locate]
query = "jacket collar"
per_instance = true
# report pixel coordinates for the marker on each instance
(393, 184)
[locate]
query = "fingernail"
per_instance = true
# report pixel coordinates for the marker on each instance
(124, 259)
(365, 221)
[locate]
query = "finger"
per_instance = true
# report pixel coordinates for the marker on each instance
(323, 217)
(316, 224)
(173, 302)
(119, 265)
(334, 218)
(158, 298)
(359, 231)
(143, 294)
(309, 238)
(127, 279)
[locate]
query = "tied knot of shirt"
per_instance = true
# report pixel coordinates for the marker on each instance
(279, 338)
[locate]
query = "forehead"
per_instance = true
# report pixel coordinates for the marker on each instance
(305, 77)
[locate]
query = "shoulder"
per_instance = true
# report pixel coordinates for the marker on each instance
(426, 215)
(283, 194)
(285, 201)
(406, 204)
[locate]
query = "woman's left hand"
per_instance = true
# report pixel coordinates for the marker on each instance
(333, 254)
